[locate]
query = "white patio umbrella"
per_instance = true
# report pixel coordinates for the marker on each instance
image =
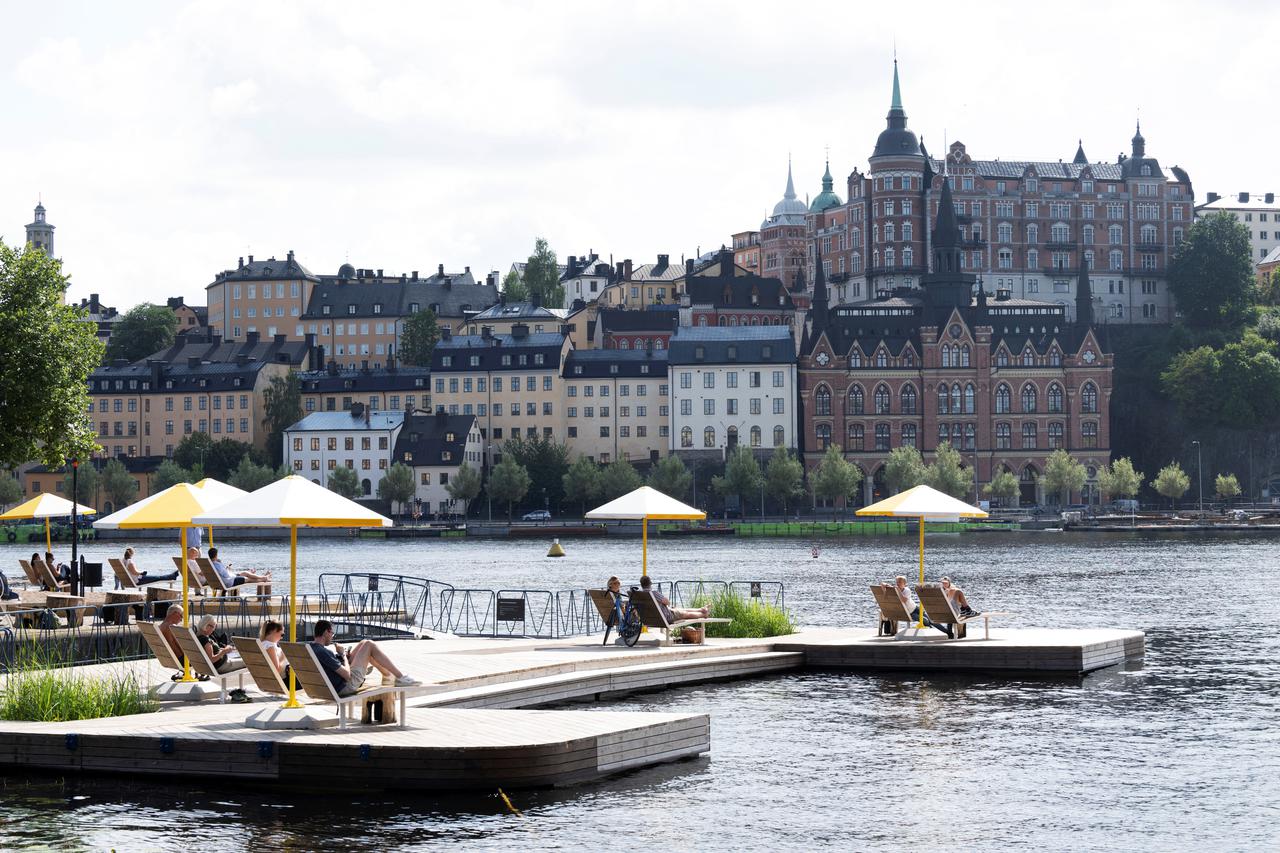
(923, 502)
(293, 502)
(644, 504)
(47, 506)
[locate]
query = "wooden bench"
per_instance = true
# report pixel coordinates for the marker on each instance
(653, 616)
(159, 646)
(315, 683)
(215, 581)
(200, 662)
(264, 673)
(892, 610)
(70, 605)
(939, 609)
(118, 602)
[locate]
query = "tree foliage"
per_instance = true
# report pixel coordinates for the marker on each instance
(784, 477)
(10, 490)
(1211, 273)
(513, 289)
(215, 459)
(117, 484)
(251, 476)
(672, 478)
(948, 475)
(1172, 482)
(1003, 485)
(1063, 475)
(419, 337)
(904, 470)
(835, 477)
(396, 486)
(48, 351)
(86, 484)
(344, 481)
(542, 276)
(545, 460)
(282, 408)
(582, 482)
(170, 473)
(142, 331)
(1119, 479)
(509, 482)
(1226, 486)
(1236, 386)
(742, 475)
(464, 485)
(618, 478)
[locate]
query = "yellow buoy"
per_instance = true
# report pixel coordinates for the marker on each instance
(557, 550)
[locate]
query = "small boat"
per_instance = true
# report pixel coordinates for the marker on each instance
(702, 530)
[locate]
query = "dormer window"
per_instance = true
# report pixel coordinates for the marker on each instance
(408, 456)
(351, 309)
(539, 358)
(413, 307)
(577, 369)
(446, 456)
(324, 309)
(446, 361)
(644, 368)
(733, 352)
(377, 307)
(613, 368)
(448, 436)
(699, 353)
(766, 351)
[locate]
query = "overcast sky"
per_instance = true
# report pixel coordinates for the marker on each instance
(168, 139)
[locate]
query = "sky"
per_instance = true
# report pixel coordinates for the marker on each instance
(169, 139)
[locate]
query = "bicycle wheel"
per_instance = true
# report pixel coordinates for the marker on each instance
(630, 632)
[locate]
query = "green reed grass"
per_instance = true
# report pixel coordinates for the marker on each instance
(40, 686)
(751, 616)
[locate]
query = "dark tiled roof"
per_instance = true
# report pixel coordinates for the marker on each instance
(518, 311)
(269, 270)
(451, 294)
(749, 341)
(600, 362)
(490, 352)
(648, 320)
(425, 436)
(710, 290)
(383, 379)
(272, 350)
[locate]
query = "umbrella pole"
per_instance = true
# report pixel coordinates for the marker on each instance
(186, 608)
(210, 537)
(48, 537)
(293, 612)
(920, 621)
(644, 546)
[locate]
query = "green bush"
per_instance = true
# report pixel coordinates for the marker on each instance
(751, 617)
(41, 687)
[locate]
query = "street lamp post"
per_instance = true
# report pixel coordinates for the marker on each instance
(1199, 475)
(75, 526)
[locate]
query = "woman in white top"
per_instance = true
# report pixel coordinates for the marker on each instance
(270, 635)
(141, 578)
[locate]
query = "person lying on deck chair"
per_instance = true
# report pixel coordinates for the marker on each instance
(913, 607)
(673, 614)
(141, 578)
(347, 668)
(957, 598)
(229, 578)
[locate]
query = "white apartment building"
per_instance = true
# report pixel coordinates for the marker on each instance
(1259, 212)
(732, 386)
(359, 439)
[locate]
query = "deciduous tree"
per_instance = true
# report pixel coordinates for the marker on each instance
(835, 477)
(1237, 386)
(904, 470)
(542, 275)
(545, 460)
(170, 473)
(948, 475)
(582, 482)
(509, 482)
(784, 477)
(396, 486)
(142, 331)
(251, 476)
(1119, 479)
(618, 478)
(117, 484)
(282, 408)
(464, 485)
(672, 478)
(1211, 273)
(742, 475)
(344, 481)
(1003, 486)
(87, 481)
(513, 289)
(1226, 486)
(1063, 475)
(47, 352)
(419, 337)
(1172, 482)
(10, 490)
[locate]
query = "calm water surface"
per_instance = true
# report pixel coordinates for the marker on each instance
(1177, 752)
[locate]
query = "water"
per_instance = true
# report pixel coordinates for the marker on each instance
(1177, 752)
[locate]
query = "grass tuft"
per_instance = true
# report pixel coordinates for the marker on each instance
(41, 687)
(751, 617)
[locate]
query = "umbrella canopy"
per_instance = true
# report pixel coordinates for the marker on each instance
(645, 502)
(47, 506)
(293, 502)
(923, 502)
(112, 521)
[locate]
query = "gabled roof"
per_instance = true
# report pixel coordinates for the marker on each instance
(709, 289)
(453, 295)
(269, 270)
(334, 421)
(427, 438)
(519, 311)
(382, 379)
(275, 350)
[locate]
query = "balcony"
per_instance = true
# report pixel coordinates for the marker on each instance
(973, 243)
(1062, 245)
(898, 270)
(1149, 247)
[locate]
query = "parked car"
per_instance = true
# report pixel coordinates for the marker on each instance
(537, 515)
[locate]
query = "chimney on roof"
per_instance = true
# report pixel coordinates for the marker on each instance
(242, 360)
(120, 362)
(240, 266)
(252, 337)
(1212, 197)
(566, 329)
(626, 269)
(157, 371)
(357, 411)
(446, 334)
(193, 361)
(440, 269)
(571, 268)
(415, 275)
(251, 259)
(1269, 198)
(317, 355)
(379, 272)
(491, 279)
(486, 333)
(289, 257)
(688, 267)
(215, 338)
(332, 368)
(520, 330)
(466, 270)
(620, 268)
(1244, 198)
(280, 337)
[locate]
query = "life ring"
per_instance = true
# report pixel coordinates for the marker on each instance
(12, 536)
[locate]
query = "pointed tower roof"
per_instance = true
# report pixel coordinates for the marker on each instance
(1139, 143)
(827, 198)
(790, 205)
(896, 102)
(1080, 159)
(946, 233)
(818, 307)
(896, 139)
(1084, 296)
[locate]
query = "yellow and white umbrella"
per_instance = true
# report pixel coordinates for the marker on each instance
(293, 502)
(923, 502)
(646, 503)
(47, 506)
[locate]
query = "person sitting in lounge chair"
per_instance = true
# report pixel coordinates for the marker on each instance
(141, 578)
(271, 633)
(216, 645)
(172, 619)
(346, 668)
(673, 614)
(6, 594)
(61, 570)
(229, 578)
(912, 606)
(957, 598)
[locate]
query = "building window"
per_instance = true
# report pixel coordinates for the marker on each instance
(1055, 435)
(1089, 434)
(908, 435)
(882, 400)
(779, 436)
(1028, 398)
(822, 400)
(709, 437)
(686, 437)
(1029, 435)
(882, 437)
(1003, 437)
(823, 434)
(944, 400)
(856, 402)
(907, 399)
(857, 437)
(1089, 398)
(1055, 399)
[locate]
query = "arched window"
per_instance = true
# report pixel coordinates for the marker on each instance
(1003, 436)
(907, 399)
(1055, 435)
(946, 355)
(709, 437)
(623, 343)
(855, 359)
(733, 321)
(1028, 357)
(964, 355)
(658, 344)
(1089, 433)
(366, 487)
(856, 262)
(639, 343)
(957, 436)
(1033, 233)
(1147, 234)
(1003, 399)
(908, 360)
(969, 399)
(908, 435)
(944, 434)
(1028, 397)
(755, 436)
(856, 403)
(882, 400)
(1089, 398)
(1115, 234)
(1029, 435)
(955, 399)
(822, 401)
(857, 437)
(722, 321)
(882, 360)
(702, 320)
(686, 437)
(944, 400)
(1055, 399)
(1059, 233)
(970, 437)
(1002, 357)
(882, 437)
(1055, 358)
(779, 436)
(823, 434)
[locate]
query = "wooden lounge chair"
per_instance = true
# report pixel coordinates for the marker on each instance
(47, 579)
(939, 609)
(126, 579)
(33, 577)
(316, 684)
(264, 673)
(604, 602)
(159, 646)
(214, 579)
(652, 616)
(194, 580)
(891, 610)
(200, 663)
